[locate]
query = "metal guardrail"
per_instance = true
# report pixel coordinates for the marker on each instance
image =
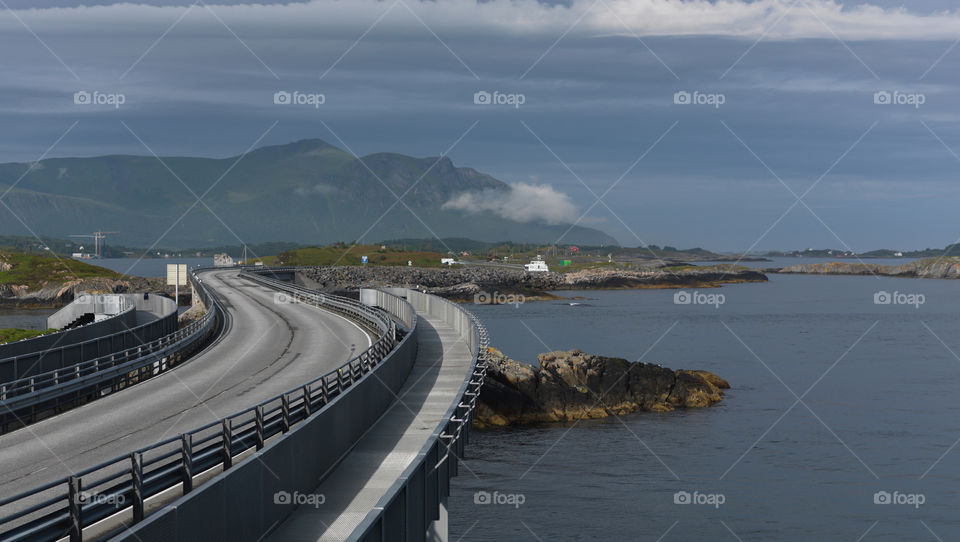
(76, 345)
(22, 400)
(396, 516)
(122, 485)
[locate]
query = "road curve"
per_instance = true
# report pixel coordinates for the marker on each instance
(267, 349)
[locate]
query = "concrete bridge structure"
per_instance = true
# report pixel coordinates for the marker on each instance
(301, 398)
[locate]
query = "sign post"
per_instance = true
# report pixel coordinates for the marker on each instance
(176, 277)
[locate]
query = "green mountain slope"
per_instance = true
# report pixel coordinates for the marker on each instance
(307, 192)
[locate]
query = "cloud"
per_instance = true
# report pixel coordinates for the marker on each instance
(522, 203)
(770, 19)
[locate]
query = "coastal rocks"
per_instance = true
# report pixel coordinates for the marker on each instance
(192, 314)
(844, 268)
(571, 385)
(661, 277)
(466, 282)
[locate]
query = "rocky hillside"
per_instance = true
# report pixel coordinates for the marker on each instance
(57, 294)
(571, 385)
(41, 280)
(465, 282)
(929, 268)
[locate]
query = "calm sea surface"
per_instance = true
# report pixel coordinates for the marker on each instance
(148, 267)
(25, 318)
(878, 411)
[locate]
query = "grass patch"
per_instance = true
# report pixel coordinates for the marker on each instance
(342, 254)
(10, 335)
(36, 270)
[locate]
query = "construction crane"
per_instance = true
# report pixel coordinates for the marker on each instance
(98, 237)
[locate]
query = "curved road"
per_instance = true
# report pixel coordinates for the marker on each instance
(267, 349)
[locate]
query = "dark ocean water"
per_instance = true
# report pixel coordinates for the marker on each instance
(25, 318)
(879, 413)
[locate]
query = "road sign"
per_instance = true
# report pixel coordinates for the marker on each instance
(364, 258)
(176, 274)
(176, 277)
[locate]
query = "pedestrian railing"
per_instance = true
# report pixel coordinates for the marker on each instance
(412, 502)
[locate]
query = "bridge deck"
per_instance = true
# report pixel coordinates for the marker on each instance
(378, 459)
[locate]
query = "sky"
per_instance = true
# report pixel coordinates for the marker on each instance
(734, 126)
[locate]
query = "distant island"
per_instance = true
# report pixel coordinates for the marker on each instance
(952, 249)
(927, 268)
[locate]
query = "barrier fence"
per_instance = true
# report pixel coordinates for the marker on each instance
(31, 357)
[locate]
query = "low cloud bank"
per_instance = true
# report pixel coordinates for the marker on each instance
(522, 203)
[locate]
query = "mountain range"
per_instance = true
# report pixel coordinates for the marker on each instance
(305, 192)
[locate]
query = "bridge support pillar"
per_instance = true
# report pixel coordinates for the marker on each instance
(439, 529)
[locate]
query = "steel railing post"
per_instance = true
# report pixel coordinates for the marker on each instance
(75, 507)
(285, 408)
(306, 401)
(186, 459)
(136, 476)
(259, 421)
(226, 438)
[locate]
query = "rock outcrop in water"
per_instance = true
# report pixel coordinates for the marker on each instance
(463, 283)
(571, 385)
(928, 268)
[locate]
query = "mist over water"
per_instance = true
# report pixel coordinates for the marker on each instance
(878, 414)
